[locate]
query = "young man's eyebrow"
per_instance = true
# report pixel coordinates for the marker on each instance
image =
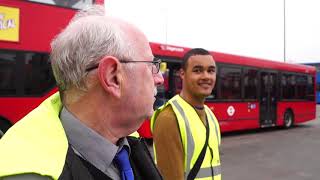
(197, 66)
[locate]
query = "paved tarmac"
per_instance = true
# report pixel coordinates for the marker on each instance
(273, 154)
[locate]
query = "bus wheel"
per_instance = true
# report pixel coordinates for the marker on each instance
(4, 125)
(288, 119)
(1, 134)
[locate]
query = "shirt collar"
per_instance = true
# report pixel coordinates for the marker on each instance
(90, 145)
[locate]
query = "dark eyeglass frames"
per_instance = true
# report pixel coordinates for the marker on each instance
(155, 64)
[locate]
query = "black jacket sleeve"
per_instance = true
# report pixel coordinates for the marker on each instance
(141, 160)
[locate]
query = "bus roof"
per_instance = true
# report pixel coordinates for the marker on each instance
(172, 51)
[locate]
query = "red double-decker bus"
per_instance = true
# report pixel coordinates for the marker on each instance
(26, 29)
(249, 93)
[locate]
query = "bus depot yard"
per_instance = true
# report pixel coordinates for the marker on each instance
(273, 153)
(250, 93)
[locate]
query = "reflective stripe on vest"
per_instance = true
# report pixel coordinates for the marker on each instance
(216, 124)
(203, 172)
(190, 141)
(189, 135)
(210, 167)
(207, 172)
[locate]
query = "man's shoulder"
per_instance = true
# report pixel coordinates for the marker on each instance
(166, 119)
(31, 176)
(167, 112)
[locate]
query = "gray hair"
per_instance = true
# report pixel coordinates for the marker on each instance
(89, 37)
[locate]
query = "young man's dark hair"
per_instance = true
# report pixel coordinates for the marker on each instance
(192, 52)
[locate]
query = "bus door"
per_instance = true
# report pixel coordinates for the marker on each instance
(268, 101)
(170, 69)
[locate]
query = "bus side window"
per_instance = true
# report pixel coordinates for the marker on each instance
(250, 83)
(7, 73)
(39, 77)
(230, 78)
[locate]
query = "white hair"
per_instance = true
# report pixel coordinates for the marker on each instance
(89, 37)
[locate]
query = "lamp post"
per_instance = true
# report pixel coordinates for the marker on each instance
(284, 30)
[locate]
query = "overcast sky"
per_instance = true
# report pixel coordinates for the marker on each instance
(245, 27)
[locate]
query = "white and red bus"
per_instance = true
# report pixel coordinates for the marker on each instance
(26, 29)
(249, 93)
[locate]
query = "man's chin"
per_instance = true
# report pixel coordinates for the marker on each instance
(148, 116)
(204, 94)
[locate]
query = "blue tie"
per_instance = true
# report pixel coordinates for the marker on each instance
(122, 161)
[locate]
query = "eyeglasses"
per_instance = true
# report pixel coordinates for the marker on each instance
(155, 64)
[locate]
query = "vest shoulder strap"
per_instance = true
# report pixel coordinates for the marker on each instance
(215, 122)
(196, 167)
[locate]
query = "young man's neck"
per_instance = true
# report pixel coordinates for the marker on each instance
(196, 102)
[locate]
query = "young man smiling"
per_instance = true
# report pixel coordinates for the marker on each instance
(186, 133)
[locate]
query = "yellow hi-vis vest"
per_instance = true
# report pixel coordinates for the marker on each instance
(193, 135)
(36, 144)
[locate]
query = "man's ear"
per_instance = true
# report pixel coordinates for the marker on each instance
(181, 73)
(110, 75)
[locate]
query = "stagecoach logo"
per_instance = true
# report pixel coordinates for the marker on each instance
(231, 110)
(9, 24)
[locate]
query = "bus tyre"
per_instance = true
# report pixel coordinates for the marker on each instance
(4, 125)
(288, 119)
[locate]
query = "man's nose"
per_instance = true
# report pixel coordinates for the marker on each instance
(158, 78)
(207, 75)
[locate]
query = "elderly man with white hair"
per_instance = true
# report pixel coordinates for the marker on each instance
(107, 79)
